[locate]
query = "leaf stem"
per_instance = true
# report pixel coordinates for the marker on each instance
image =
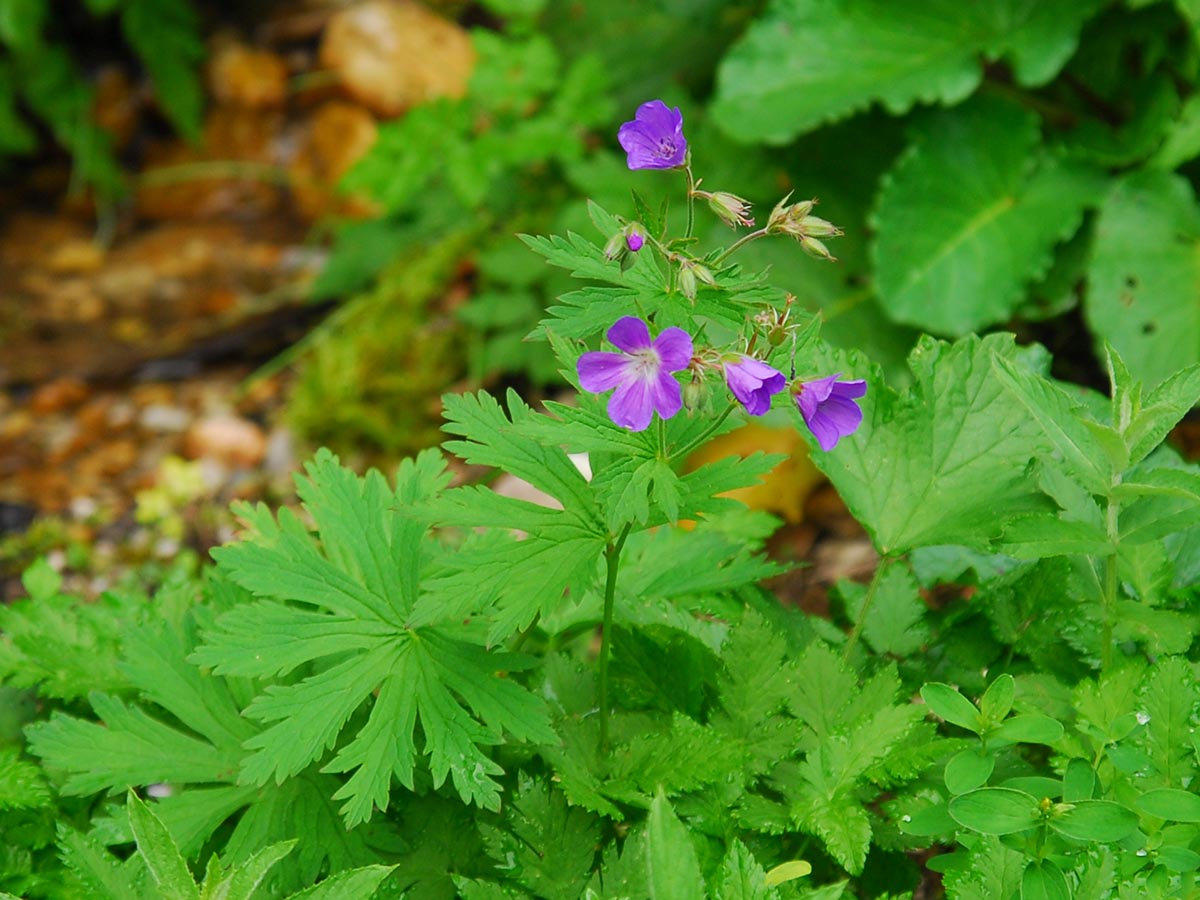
(852, 640)
(612, 559)
(1111, 520)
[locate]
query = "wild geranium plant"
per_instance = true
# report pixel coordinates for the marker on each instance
(433, 691)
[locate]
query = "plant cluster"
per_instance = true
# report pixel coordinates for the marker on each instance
(398, 688)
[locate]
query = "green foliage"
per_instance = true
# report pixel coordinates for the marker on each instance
(44, 75)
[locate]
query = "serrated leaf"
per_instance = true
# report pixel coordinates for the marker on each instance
(671, 863)
(742, 878)
(1061, 419)
(94, 866)
(156, 846)
(354, 884)
(969, 215)
(896, 623)
(1169, 696)
(844, 828)
(945, 463)
(993, 872)
(1144, 263)
(166, 36)
(22, 785)
(806, 62)
(245, 880)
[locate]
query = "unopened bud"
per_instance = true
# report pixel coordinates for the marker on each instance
(694, 395)
(635, 237)
(777, 334)
(814, 227)
(816, 249)
(615, 248)
(703, 274)
(687, 282)
(732, 209)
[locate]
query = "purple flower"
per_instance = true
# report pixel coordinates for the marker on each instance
(753, 382)
(641, 374)
(634, 241)
(654, 139)
(829, 409)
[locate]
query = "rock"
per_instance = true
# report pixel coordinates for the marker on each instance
(228, 439)
(391, 54)
(245, 76)
(338, 136)
(76, 257)
(163, 417)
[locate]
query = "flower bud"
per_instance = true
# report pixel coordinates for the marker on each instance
(635, 237)
(704, 274)
(615, 247)
(694, 395)
(814, 227)
(731, 208)
(687, 282)
(816, 249)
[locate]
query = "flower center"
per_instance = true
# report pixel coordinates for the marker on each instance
(646, 363)
(666, 148)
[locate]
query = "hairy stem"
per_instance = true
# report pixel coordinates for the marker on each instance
(691, 200)
(1111, 515)
(612, 559)
(852, 640)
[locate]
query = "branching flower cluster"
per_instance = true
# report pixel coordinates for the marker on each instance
(642, 375)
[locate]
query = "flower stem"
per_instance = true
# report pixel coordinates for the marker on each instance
(1110, 580)
(852, 640)
(740, 242)
(612, 559)
(706, 434)
(691, 200)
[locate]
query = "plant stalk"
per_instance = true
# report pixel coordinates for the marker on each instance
(612, 559)
(861, 619)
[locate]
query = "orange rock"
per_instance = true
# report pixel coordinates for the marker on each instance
(76, 257)
(338, 136)
(393, 54)
(245, 76)
(227, 439)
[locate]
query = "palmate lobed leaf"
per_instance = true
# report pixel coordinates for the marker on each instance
(946, 463)
(807, 62)
(362, 577)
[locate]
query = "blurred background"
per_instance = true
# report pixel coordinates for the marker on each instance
(233, 232)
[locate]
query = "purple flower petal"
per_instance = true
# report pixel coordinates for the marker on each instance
(674, 348)
(634, 241)
(829, 410)
(641, 375)
(654, 139)
(630, 334)
(600, 371)
(666, 395)
(753, 383)
(632, 405)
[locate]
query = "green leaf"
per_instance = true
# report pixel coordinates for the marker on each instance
(1163, 408)
(806, 62)
(968, 769)
(742, 878)
(947, 462)
(671, 863)
(995, 811)
(993, 872)
(970, 215)
(22, 785)
(1062, 421)
(896, 624)
(546, 844)
(94, 866)
(1043, 880)
(1028, 729)
(952, 706)
(1143, 262)
(844, 827)
(997, 700)
(1043, 535)
(1182, 142)
(246, 879)
(1171, 804)
(1079, 781)
(166, 36)
(354, 884)
(166, 864)
(1095, 820)
(1169, 697)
